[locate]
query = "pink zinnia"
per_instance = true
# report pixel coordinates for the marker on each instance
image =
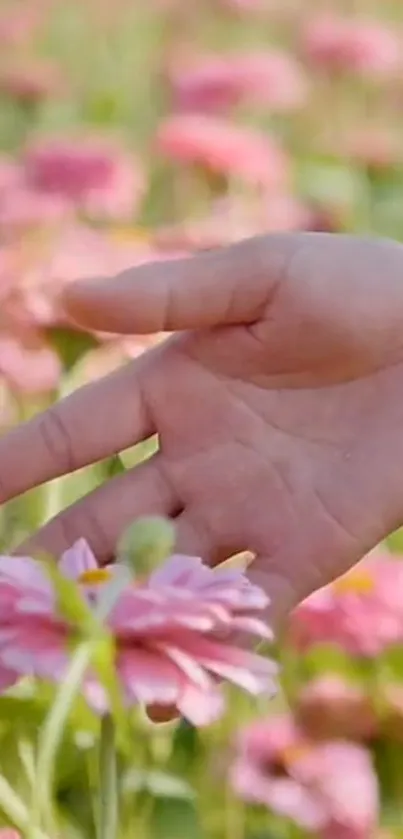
(31, 82)
(167, 631)
(363, 47)
(331, 706)
(362, 611)
(98, 176)
(328, 788)
(29, 368)
(226, 149)
(214, 83)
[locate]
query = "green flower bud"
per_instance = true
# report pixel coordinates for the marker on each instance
(146, 543)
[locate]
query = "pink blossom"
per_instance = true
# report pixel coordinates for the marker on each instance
(31, 81)
(364, 47)
(28, 368)
(18, 23)
(97, 175)
(9, 833)
(362, 611)
(224, 148)
(329, 706)
(23, 208)
(216, 82)
(166, 630)
(329, 788)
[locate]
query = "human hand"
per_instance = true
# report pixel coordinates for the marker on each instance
(279, 410)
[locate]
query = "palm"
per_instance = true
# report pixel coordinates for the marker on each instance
(286, 471)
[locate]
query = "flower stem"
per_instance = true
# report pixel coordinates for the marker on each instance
(108, 794)
(52, 732)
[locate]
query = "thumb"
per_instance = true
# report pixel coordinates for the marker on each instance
(226, 286)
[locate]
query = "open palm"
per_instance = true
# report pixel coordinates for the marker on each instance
(279, 410)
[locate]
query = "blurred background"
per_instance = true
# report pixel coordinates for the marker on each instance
(134, 130)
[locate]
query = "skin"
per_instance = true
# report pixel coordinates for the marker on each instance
(278, 404)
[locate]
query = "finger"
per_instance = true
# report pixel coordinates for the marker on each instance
(95, 422)
(103, 515)
(278, 587)
(227, 286)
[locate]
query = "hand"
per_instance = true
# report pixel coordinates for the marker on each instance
(279, 410)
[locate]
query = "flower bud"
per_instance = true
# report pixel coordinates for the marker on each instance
(146, 543)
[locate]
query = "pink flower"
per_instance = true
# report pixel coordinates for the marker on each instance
(362, 611)
(18, 23)
(23, 208)
(98, 176)
(31, 81)
(330, 706)
(223, 148)
(217, 82)
(329, 788)
(29, 368)
(166, 631)
(341, 44)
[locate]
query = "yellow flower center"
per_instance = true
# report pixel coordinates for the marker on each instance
(290, 754)
(95, 576)
(357, 582)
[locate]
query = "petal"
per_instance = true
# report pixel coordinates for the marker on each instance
(177, 570)
(8, 678)
(201, 707)
(25, 573)
(77, 560)
(149, 678)
(252, 672)
(188, 666)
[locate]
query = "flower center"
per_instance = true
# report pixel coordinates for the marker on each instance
(95, 576)
(357, 582)
(293, 753)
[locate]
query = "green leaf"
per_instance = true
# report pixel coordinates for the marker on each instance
(325, 658)
(172, 819)
(71, 344)
(158, 784)
(114, 466)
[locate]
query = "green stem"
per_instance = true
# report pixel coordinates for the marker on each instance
(108, 795)
(15, 810)
(53, 729)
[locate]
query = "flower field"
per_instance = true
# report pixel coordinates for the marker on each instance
(131, 132)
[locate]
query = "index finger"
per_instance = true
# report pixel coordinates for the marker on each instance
(94, 422)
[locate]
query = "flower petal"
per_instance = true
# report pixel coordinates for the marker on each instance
(77, 560)
(199, 706)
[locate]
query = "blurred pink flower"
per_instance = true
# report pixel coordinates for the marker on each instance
(31, 81)
(364, 47)
(9, 833)
(231, 219)
(28, 368)
(224, 148)
(10, 174)
(329, 706)
(329, 788)
(362, 611)
(166, 631)
(22, 208)
(18, 23)
(102, 179)
(218, 82)
(376, 148)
